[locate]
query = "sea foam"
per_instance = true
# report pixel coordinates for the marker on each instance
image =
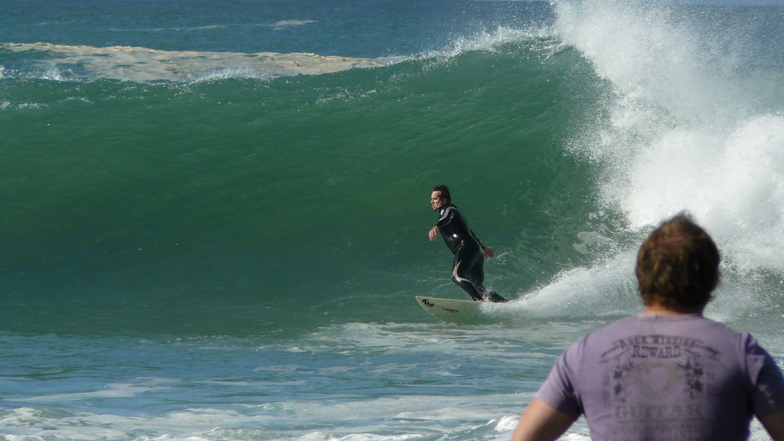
(683, 131)
(140, 64)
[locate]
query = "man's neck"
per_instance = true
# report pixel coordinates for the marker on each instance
(656, 308)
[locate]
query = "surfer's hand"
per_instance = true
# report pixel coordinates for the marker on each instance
(489, 253)
(433, 232)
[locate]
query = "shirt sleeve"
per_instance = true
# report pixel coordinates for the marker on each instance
(766, 378)
(558, 389)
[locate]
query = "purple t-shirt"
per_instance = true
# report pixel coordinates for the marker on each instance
(662, 378)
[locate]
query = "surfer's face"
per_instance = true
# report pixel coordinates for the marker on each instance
(436, 201)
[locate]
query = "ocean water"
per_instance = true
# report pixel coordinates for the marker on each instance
(215, 213)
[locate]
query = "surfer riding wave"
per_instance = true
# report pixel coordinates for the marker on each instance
(468, 266)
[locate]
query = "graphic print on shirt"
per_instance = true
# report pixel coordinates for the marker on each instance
(659, 382)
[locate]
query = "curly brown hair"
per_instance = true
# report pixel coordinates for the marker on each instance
(678, 265)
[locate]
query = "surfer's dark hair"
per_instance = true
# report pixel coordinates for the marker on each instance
(678, 265)
(444, 192)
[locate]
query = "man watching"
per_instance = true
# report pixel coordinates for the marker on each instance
(667, 373)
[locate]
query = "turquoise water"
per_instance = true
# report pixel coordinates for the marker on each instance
(216, 214)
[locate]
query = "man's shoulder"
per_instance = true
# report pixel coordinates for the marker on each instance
(447, 208)
(652, 330)
(640, 322)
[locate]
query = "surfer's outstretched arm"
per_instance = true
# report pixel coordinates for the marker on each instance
(489, 252)
(433, 232)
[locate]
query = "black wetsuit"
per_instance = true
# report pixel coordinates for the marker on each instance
(468, 267)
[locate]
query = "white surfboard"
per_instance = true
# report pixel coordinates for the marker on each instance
(450, 309)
